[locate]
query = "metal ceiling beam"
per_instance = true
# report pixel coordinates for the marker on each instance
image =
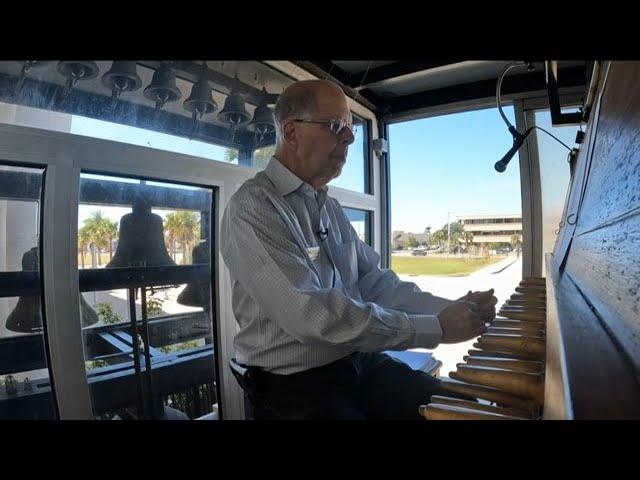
(530, 82)
(406, 69)
(557, 117)
(330, 71)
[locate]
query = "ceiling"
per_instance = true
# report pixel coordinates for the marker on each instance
(393, 89)
(396, 89)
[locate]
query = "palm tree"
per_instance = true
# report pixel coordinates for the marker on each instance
(183, 227)
(230, 154)
(84, 239)
(111, 232)
(170, 237)
(468, 239)
(92, 228)
(100, 232)
(439, 237)
(515, 241)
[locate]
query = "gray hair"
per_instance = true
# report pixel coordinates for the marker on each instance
(297, 102)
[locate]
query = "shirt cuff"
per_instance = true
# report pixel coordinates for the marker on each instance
(428, 332)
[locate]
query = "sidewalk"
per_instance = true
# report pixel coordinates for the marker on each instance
(504, 282)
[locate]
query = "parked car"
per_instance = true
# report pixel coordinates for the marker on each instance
(419, 252)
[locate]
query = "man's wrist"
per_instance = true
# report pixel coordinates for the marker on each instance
(428, 331)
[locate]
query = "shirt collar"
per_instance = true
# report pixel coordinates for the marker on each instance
(287, 182)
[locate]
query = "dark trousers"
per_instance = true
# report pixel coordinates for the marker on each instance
(360, 386)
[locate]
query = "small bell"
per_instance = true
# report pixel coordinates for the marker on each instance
(141, 239)
(74, 71)
(234, 111)
(200, 102)
(162, 88)
(27, 65)
(122, 77)
(262, 122)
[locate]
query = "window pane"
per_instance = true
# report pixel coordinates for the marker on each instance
(148, 138)
(361, 222)
(261, 156)
(455, 220)
(25, 389)
(145, 277)
(354, 174)
(554, 176)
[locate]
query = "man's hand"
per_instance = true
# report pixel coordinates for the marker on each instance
(461, 321)
(485, 301)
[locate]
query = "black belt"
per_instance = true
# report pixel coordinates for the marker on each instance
(254, 379)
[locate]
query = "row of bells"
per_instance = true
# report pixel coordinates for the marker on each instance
(122, 77)
(140, 243)
(506, 366)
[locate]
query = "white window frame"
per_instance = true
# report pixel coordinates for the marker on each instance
(533, 262)
(529, 162)
(65, 156)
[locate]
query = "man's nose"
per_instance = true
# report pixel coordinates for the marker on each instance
(348, 137)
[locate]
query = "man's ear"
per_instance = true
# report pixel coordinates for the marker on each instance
(290, 134)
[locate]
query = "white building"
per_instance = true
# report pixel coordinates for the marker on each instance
(492, 228)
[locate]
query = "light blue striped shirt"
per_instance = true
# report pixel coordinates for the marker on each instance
(302, 300)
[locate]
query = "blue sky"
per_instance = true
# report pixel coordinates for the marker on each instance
(445, 164)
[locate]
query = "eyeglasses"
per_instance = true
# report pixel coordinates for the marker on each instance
(336, 126)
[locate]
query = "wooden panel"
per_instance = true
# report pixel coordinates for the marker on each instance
(614, 180)
(604, 258)
(557, 398)
(606, 266)
(593, 347)
(587, 376)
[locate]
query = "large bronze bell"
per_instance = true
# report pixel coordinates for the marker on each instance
(262, 122)
(234, 111)
(122, 77)
(26, 317)
(75, 70)
(162, 88)
(196, 294)
(141, 239)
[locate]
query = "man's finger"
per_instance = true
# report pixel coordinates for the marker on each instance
(487, 301)
(480, 330)
(483, 295)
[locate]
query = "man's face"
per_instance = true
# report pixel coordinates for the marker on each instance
(323, 152)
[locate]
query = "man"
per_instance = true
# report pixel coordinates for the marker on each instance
(314, 309)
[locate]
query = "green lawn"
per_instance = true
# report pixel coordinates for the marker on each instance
(440, 265)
